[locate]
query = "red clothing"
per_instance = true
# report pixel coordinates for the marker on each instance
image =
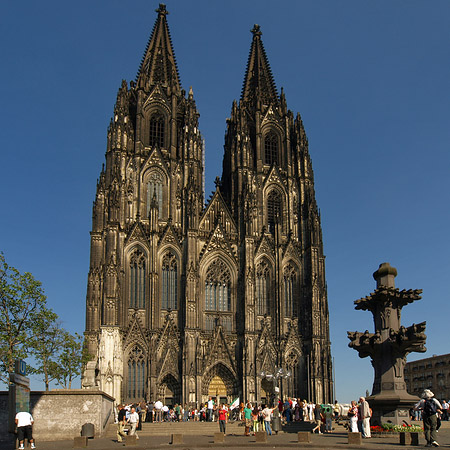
(222, 414)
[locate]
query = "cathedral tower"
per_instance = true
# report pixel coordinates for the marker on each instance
(185, 299)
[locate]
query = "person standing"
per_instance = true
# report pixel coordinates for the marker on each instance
(158, 409)
(364, 417)
(267, 415)
(430, 408)
(445, 407)
(24, 422)
(223, 416)
(133, 420)
(121, 421)
(210, 408)
(328, 414)
(353, 416)
(248, 418)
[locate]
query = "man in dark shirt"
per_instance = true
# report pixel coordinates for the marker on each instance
(121, 420)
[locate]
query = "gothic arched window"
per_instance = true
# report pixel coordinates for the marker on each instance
(169, 282)
(270, 148)
(137, 279)
(218, 287)
(156, 131)
(262, 288)
(136, 374)
(274, 210)
(289, 278)
(155, 189)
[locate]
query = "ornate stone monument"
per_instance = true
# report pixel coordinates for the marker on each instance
(389, 346)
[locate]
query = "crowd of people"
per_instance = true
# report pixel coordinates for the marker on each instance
(261, 417)
(256, 416)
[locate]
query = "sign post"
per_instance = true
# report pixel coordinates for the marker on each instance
(19, 392)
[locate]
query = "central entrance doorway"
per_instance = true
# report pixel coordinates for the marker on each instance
(217, 389)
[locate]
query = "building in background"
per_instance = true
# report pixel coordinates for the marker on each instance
(429, 373)
(188, 299)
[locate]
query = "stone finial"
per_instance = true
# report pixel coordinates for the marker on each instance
(385, 275)
(256, 30)
(162, 9)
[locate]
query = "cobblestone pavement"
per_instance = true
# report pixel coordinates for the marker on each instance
(338, 439)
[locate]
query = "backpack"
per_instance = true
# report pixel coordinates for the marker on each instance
(430, 407)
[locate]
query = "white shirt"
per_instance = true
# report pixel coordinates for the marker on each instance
(134, 417)
(210, 404)
(165, 408)
(267, 413)
(24, 419)
(158, 405)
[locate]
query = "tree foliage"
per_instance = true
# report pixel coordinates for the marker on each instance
(28, 328)
(22, 306)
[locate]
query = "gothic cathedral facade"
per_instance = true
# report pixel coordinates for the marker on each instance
(188, 299)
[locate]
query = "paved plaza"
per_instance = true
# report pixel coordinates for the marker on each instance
(201, 435)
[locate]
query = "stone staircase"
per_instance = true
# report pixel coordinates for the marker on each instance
(186, 428)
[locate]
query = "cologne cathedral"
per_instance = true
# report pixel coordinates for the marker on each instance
(188, 299)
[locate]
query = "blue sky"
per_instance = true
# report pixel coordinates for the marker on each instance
(371, 81)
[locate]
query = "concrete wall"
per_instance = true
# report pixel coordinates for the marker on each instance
(60, 414)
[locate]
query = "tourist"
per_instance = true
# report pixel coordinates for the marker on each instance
(364, 417)
(248, 418)
(210, 408)
(317, 419)
(336, 410)
(267, 415)
(158, 411)
(311, 408)
(328, 415)
(150, 408)
(353, 416)
(143, 413)
(165, 412)
(430, 407)
(223, 417)
(445, 407)
(133, 420)
(121, 421)
(24, 423)
(255, 419)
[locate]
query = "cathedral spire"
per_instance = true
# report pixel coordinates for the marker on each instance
(158, 64)
(258, 83)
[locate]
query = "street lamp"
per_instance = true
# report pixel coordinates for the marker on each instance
(279, 373)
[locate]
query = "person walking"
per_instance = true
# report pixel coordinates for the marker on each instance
(133, 420)
(430, 408)
(121, 421)
(24, 422)
(317, 418)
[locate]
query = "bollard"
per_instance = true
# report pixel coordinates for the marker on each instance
(219, 438)
(354, 438)
(80, 442)
(304, 436)
(261, 436)
(130, 440)
(176, 439)
(415, 439)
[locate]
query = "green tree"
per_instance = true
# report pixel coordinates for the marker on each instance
(22, 306)
(71, 360)
(45, 346)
